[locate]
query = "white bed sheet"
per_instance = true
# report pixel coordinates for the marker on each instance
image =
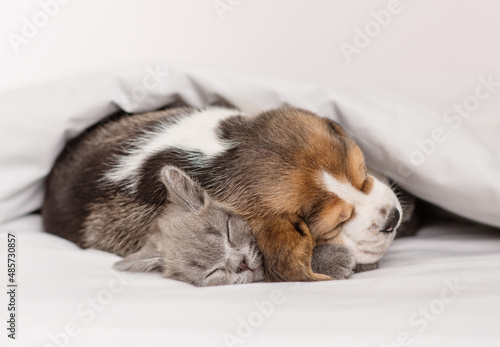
(371, 309)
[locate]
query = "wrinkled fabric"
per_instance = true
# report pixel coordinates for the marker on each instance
(414, 146)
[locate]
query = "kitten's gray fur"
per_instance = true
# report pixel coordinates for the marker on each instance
(197, 240)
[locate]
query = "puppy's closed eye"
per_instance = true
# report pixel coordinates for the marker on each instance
(342, 220)
(339, 226)
(346, 217)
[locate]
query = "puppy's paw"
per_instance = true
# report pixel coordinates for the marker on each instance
(320, 277)
(335, 261)
(365, 267)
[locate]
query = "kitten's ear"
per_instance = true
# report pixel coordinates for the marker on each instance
(145, 260)
(182, 189)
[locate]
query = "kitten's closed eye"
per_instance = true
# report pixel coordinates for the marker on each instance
(228, 228)
(213, 272)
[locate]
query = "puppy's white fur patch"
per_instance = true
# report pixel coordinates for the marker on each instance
(344, 190)
(362, 233)
(193, 132)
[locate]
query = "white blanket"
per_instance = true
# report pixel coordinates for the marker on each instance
(440, 288)
(421, 151)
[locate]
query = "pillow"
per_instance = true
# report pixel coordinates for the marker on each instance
(415, 147)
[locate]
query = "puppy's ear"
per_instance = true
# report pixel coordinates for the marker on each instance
(182, 189)
(287, 245)
(146, 259)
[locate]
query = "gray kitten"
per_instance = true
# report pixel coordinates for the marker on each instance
(197, 240)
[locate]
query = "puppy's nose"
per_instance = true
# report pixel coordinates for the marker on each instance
(392, 221)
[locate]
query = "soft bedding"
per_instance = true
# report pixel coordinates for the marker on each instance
(416, 147)
(406, 298)
(440, 288)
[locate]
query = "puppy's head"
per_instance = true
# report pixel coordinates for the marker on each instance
(327, 184)
(353, 207)
(366, 215)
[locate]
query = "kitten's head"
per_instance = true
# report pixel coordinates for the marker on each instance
(197, 239)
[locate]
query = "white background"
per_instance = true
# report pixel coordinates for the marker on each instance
(431, 51)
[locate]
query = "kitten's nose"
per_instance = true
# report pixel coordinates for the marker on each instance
(392, 222)
(243, 266)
